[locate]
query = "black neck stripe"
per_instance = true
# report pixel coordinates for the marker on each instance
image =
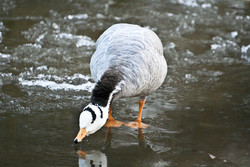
(105, 86)
(92, 113)
(100, 111)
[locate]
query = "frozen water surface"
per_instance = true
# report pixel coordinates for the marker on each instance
(198, 117)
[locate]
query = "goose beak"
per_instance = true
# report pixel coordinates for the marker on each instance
(81, 134)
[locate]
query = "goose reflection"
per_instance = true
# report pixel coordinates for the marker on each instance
(140, 153)
(92, 158)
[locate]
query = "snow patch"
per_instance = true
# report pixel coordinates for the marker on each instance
(215, 46)
(57, 86)
(75, 76)
(206, 5)
(41, 37)
(188, 76)
(5, 74)
(245, 53)
(55, 26)
(82, 40)
(42, 67)
(234, 34)
(211, 156)
(100, 16)
(35, 45)
(85, 41)
(171, 45)
(65, 35)
(79, 16)
(244, 49)
(55, 82)
(4, 56)
(190, 3)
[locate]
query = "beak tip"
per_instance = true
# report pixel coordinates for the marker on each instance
(76, 141)
(81, 134)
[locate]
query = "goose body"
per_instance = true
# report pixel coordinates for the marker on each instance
(128, 61)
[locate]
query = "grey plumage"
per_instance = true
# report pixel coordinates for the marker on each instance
(133, 53)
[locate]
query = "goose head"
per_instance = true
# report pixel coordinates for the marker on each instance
(92, 118)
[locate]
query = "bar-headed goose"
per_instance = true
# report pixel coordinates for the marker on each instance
(128, 61)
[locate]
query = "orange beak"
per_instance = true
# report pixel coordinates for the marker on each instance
(81, 134)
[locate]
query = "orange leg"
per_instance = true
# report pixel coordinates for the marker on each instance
(141, 104)
(110, 115)
(112, 122)
(137, 123)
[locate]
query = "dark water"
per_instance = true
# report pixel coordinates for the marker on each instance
(199, 117)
